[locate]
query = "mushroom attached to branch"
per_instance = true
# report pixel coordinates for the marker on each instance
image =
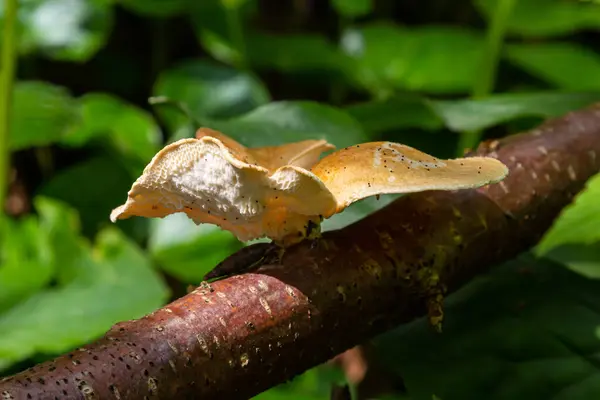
(284, 192)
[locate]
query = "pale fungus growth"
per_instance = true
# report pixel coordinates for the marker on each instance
(284, 192)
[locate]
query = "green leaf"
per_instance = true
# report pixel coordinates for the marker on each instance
(212, 25)
(129, 129)
(583, 259)
(117, 283)
(564, 65)
(66, 30)
(42, 114)
(219, 47)
(528, 330)
(35, 251)
(156, 8)
(294, 53)
(543, 18)
(94, 187)
(25, 263)
(233, 4)
(60, 224)
(186, 250)
(353, 8)
(289, 121)
(578, 222)
(209, 90)
(311, 385)
(397, 112)
(473, 115)
(389, 56)
(411, 111)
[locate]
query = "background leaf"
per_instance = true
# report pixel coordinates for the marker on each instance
(156, 8)
(25, 266)
(213, 25)
(353, 8)
(132, 132)
(397, 112)
(292, 53)
(472, 115)
(564, 65)
(186, 250)
(576, 223)
(94, 188)
(543, 18)
(289, 121)
(71, 30)
(116, 284)
(208, 90)
(528, 330)
(42, 114)
(581, 258)
(389, 56)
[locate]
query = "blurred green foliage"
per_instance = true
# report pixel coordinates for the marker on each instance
(428, 74)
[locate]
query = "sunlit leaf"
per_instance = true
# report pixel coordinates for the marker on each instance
(578, 222)
(186, 250)
(71, 30)
(60, 224)
(26, 262)
(115, 283)
(311, 385)
(389, 56)
(130, 130)
(564, 65)
(42, 114)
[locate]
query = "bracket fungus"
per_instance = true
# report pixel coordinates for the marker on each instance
(284, 192)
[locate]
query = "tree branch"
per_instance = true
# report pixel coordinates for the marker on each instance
(237, 337)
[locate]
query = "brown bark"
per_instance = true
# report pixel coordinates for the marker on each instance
(237, 337)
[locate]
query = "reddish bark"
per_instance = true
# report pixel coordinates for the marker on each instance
(237, 337)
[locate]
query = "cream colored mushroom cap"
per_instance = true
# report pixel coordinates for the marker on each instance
(227, 186)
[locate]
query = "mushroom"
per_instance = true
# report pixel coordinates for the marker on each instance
(284, 192)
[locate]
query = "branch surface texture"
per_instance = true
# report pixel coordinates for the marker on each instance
(237, 337)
